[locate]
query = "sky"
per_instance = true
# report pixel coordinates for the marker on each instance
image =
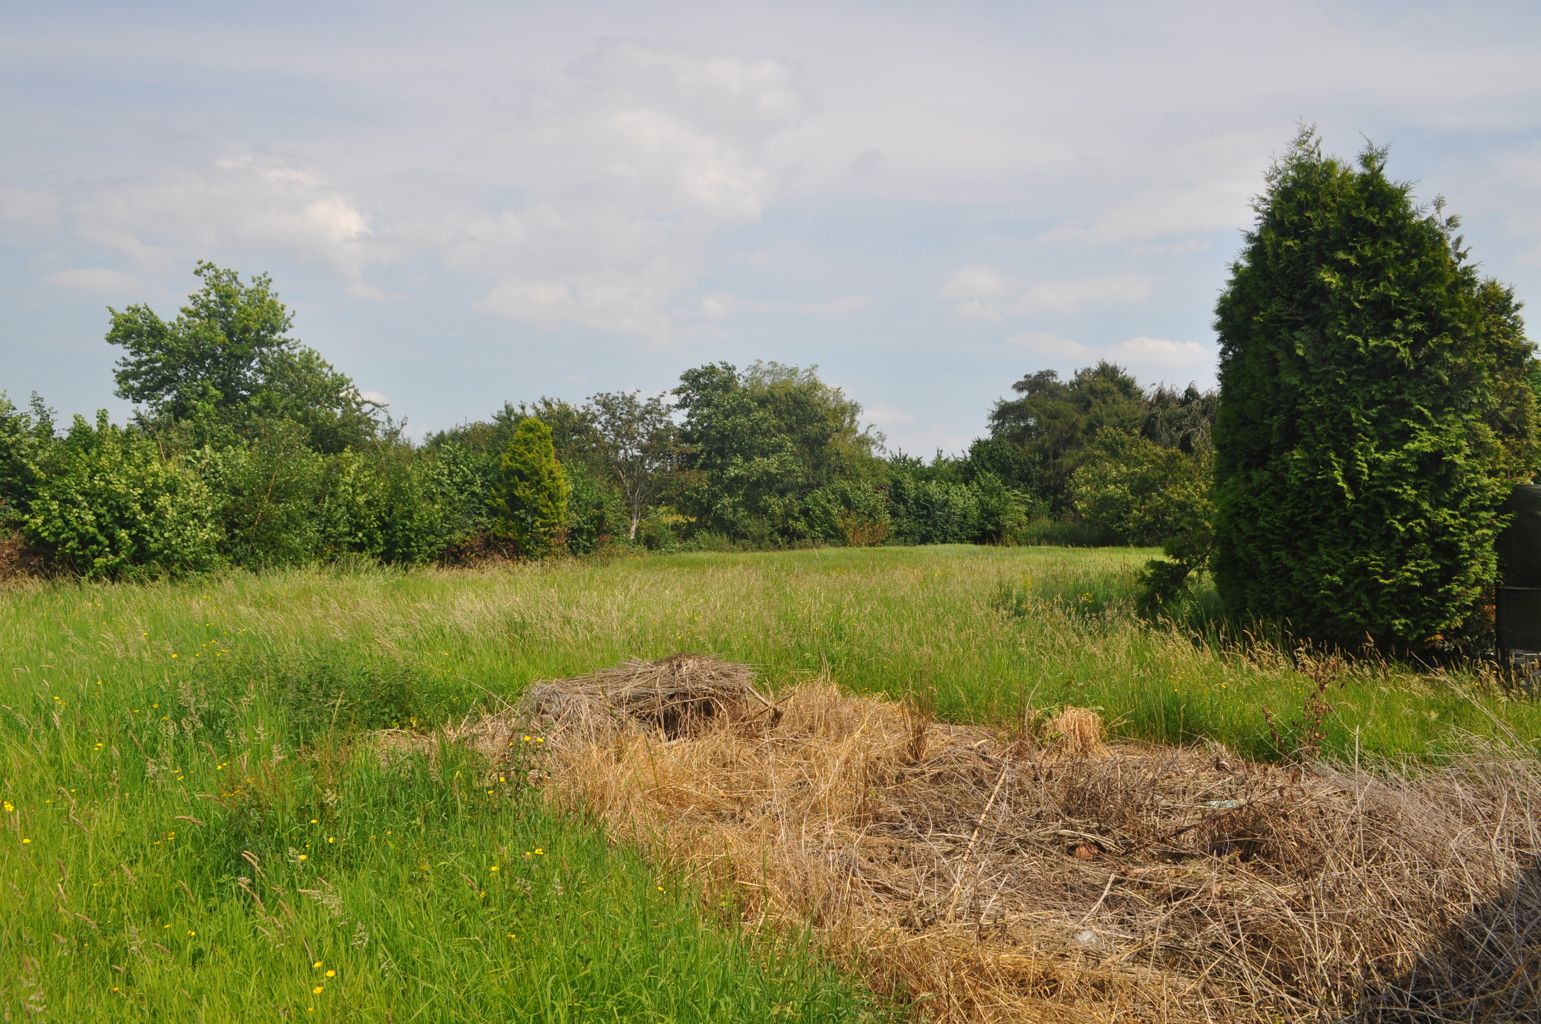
(467, 203)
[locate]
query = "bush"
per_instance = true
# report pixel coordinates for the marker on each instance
(934, 511)
(109, 506)
(394, 503)
(595, 513)
(1140, 491)
(530, 492)
(1371, 415)
(267, 497)
(1004, 512)
(1045, 532)
(849, 513)
(661, 528)
(25, 440)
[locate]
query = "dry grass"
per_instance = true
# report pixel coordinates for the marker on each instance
(1046, 876)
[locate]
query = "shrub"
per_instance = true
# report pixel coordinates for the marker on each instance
(1140, 491)
(531, 491)
(661, 528)
(109, 506)
(595, 512)
(934, 511)
(1004, 512)
(25, 440)
(267, 495)
(847, 512)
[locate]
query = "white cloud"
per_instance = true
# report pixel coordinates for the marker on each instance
(886, 415)
(1150, 359)
(28, 211)
(985, 293)
(96, 281)
(1050, 346)
(1161, 351)
(845, 305)
(159, 224)
(976, 281)
(717, 306)
(1173, 213)
(1078, 294)
(625, 177)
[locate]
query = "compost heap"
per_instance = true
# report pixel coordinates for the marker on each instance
(1046, 875)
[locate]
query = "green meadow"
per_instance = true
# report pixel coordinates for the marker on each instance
(193, 829)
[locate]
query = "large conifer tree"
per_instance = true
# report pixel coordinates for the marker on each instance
(1373, 409)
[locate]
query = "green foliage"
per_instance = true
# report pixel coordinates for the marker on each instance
(418, 518)
(394, 503)
(267, 496)
(938, 503)
(849, 513)
(1140, 491)
(1373, 409)
(1004, 512)
(1041, 437)
(596, 512)
(109, 505)
(531, 491)
(301, 386)
(228, 357)
(934, 511)
(663, 527)
(25, 440)
(759, 442)
(574, 431)
(637, 444)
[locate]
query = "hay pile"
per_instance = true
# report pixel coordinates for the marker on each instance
(1048, 876)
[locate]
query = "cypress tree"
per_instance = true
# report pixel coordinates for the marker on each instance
(1374, 409)
(531, 491)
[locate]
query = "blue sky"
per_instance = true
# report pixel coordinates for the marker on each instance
(467, 203)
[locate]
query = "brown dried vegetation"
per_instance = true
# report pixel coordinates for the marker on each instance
(1046, 876)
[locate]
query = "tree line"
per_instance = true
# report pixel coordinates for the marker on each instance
(246, 448)
(1377, 403)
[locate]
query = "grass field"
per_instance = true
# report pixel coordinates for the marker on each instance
(191, 831)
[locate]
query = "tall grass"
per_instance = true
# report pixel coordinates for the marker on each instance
(192, 822)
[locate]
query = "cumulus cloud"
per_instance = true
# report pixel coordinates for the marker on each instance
(1049, 346)
(157, 224)
(886, 415)
(648, 154)
(1173, 214)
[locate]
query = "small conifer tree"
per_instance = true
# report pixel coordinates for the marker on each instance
(531, 491)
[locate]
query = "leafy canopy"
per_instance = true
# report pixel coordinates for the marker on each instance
(759, 442)
(227, 358)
